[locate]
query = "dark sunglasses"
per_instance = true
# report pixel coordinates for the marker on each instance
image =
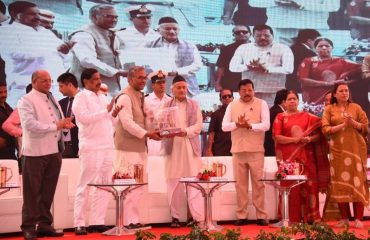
(241, 31)
(226, 96)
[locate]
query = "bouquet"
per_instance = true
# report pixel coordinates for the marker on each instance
(206, 175)
(120, 175)
(286, 168)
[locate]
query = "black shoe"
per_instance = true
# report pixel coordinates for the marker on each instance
(80, 231)
(48, 231)
(175, 223)
(29, 234)
(262, 222)
(240, 222)
(97, 228)
(134, 226)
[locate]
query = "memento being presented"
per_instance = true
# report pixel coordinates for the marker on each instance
(165, 122)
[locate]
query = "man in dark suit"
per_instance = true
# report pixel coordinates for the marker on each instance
(278, 107)
(302, 48)
(68, 86)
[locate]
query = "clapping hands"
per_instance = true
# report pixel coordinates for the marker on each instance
(257, 65)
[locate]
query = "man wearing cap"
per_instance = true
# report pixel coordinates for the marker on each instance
(182, 152)
(152, 103)
(96, 46)
(130, 140)
(25, 46)
(140, 33)
(178, 57)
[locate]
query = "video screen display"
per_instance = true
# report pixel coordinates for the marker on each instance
(207, 25)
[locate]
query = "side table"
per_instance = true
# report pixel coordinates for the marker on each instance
(285, 191)
(119, 191)
(206, 188)
(7, 188)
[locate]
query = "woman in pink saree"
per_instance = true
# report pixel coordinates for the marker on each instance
(298, 139)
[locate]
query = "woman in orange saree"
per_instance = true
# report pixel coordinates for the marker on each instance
(298, 139)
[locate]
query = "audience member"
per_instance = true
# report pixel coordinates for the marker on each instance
(96, 46)
(42, 146)
(219, 142)
(298, 141)
(25, 46)
(265, 62)
(302, 48)
(319, 74)
(182, 153)
(130, 140)
(152, 103)
(225, 78)
(278, 107)
(94, 118)
(248, 119)
(7, 141)
(347, 125)
(68, 86)
(179, 57)
(12, 126)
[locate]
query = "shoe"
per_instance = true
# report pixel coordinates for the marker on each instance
(240, 222)
(359, 224)
(175, 223)
(135, 226)
(48, 231)
(344, 223)
(29, 235)
(80, 231)
(262, 222)
(97, 228)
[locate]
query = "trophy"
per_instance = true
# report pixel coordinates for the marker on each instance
(166, 120)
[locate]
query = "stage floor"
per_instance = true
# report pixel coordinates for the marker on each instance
(250, 230)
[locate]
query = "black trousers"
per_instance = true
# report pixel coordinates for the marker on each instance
(40, 178)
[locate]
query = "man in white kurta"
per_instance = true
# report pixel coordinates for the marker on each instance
(130, 141)
(96, 149)
(152, 103)
(182, 153)
(290, 16)
(25, 47)
(264, 61)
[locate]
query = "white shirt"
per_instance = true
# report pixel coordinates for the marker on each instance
(25, 50)
(151, 105)
(277, 58)
(131, 38)
(95, 123)
(126, 117)
(313, 14)
(85, 51)
(169, 56)
(228, 125)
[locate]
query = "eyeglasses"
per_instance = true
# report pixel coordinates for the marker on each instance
(226, 96)
(241, 32)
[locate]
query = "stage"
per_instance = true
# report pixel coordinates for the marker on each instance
(251, 231)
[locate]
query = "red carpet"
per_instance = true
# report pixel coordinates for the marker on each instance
(251, 231)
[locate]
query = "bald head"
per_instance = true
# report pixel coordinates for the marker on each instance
(41, 81)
